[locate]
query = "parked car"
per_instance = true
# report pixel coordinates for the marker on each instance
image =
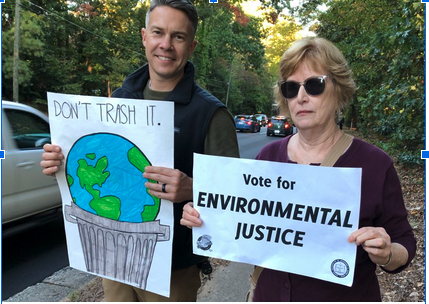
(262, 118)
(279, 126)
(26, 191)
(247, 123)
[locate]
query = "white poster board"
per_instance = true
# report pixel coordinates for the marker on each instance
(288, 217)
(114, 228)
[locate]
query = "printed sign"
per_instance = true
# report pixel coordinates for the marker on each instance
(288, 217)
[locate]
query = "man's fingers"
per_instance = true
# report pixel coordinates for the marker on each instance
(52, 156)
(50, 170)
(178, 186)
(160, 171)
(51, 148)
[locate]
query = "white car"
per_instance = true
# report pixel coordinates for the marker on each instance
(26, 190)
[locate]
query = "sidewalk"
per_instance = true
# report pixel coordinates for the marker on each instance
(228, 283)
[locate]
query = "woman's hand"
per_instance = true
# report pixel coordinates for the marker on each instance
(190, 216)
(381, 251)
(52, 159)
(375, 241)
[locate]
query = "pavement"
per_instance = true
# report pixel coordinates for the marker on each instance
(228, 283)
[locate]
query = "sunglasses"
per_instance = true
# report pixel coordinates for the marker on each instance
(313, 86)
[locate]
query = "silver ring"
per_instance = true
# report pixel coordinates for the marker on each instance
(163, 188)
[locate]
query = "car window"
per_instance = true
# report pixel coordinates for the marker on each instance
(28, 130)
(243, 117)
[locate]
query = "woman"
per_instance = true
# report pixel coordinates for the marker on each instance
(315, 83)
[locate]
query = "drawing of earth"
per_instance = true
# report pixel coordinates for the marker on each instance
(105, 177)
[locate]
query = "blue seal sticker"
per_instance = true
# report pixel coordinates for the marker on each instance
(340, 268)
(204, 242)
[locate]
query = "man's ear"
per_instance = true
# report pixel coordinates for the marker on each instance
(193, 46)
(144, 36)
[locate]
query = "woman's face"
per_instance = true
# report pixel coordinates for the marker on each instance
(312, 112)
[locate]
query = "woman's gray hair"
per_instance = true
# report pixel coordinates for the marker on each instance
(185, 6)
(321, 55)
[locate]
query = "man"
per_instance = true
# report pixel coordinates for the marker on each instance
(202, 125)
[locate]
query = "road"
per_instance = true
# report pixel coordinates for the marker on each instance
(251, 143)
(31, 255)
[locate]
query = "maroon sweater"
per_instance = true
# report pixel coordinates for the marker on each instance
(382, 205)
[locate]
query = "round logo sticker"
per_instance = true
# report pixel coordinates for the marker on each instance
(204, 242)
(340, 268)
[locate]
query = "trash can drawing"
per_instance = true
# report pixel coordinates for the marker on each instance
(121, 250)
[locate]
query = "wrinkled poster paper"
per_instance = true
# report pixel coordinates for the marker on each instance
(114, 228)
(288, 217)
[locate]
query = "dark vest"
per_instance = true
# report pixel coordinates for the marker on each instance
(193, 111)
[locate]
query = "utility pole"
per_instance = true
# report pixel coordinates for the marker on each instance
(229, 81)
(16, 52)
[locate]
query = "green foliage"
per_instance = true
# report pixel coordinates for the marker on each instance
(88, 48)
(383, 42)
(72, 48)
(31, 49)
(279, 37)
(230, 58)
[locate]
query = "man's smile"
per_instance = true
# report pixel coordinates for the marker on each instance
(164, 58)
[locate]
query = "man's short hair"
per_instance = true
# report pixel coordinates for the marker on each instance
(185, 6)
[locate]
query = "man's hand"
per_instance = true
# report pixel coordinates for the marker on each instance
(52, 159)
(173, 185)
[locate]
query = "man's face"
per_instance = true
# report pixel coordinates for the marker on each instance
(169, 42)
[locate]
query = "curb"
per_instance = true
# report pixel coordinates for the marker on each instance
(228, 283)
(55, 288)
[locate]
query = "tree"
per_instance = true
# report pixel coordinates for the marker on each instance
(88, 47)
(383, 42)
(73, 47)
(31, 49)
(279, 38)
(230, 47)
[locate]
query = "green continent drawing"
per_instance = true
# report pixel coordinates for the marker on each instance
(140, 162)
(105, 177)
(89, 176)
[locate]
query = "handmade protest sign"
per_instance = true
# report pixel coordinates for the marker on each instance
(114, 227)
(288, 217)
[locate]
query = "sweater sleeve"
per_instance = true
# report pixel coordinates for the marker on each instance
(394, 216)
(221, 138)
